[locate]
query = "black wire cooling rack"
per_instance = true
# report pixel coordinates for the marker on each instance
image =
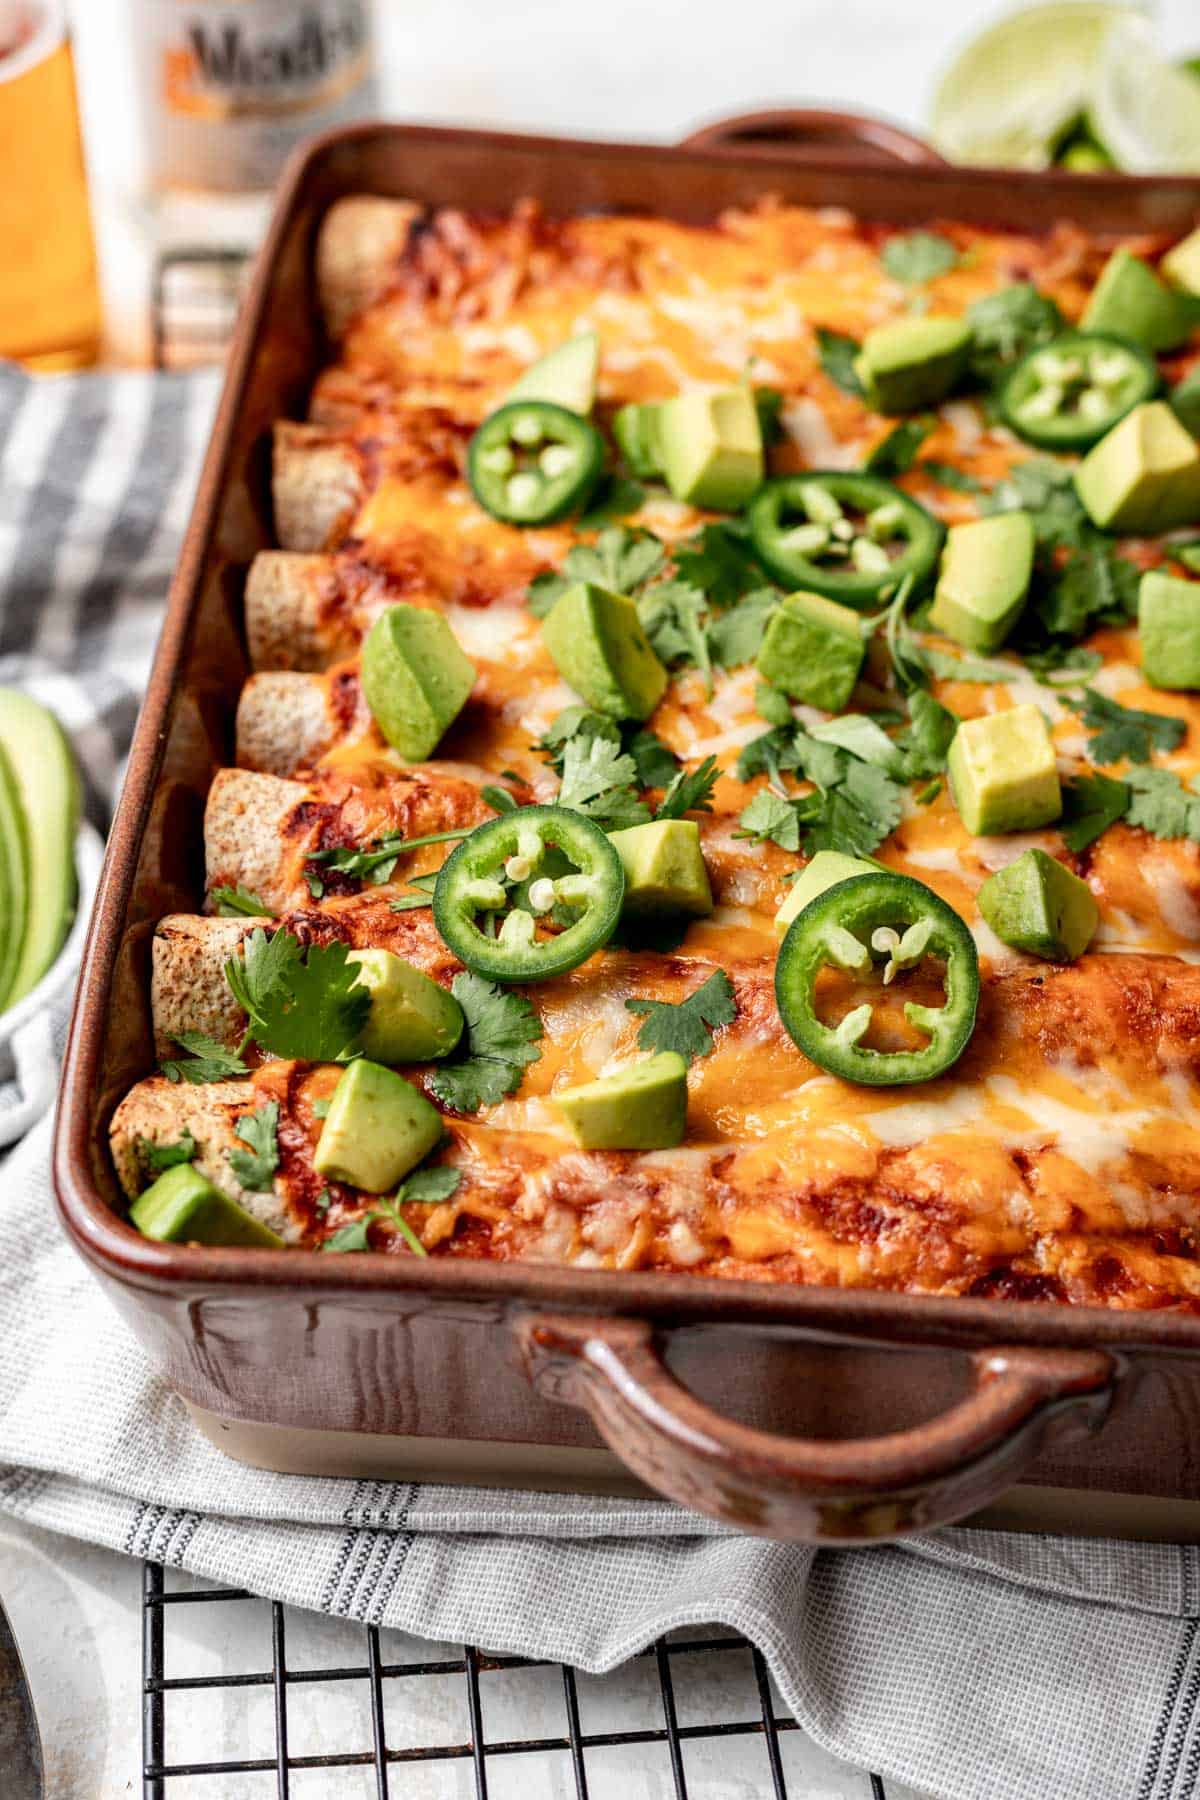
(385, 1763)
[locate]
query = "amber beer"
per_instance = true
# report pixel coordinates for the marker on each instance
(49, 299)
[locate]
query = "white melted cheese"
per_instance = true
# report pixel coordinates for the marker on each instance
(1091, 1139)
(1176, 905)
(503, 634)
(806, 425)
(914, 1121)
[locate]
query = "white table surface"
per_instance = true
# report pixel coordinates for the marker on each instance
(619, 68)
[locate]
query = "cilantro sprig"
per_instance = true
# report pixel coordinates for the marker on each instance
(500, 1039)
(687, 1026)
(424, 1187)
(156, 1159)
(308, 1005)
(915, 257)
(206, 1060)
(255, 1167)
(238, 902)
(1124, 733)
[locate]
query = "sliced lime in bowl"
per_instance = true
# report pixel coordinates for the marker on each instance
(1146, 112)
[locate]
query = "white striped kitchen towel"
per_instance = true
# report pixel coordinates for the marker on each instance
(974, 1665)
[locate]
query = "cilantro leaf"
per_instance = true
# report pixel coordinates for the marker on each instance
(1123, 732)
(687, 1027)
(1161, 805)
(837, 355)
(1062, 665)
(719, 561)
(770, 817)
(374, 862)
(621, 559)
(352, 1236)
(207, 1060)
(303, 1004)
(1045, 489)
(500, 1036)
(426, 1187)
(576, 722)
(657, 766)
(863, 738)
(157, 1158)
(735, 636)
(1095, 586)
(423, 886)
(255, 1168)
(913, 257)
(674, 616)
(1006, 325)
(690, 792)
(598, 780)
(1091, 803)
(540, 596)
(857, 814)
(232, 902)
(974, 669)
(772, 704)
(898, 450)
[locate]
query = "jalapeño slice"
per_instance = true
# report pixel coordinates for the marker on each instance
(1065, 395)
(531, 462)
(864, 927)
(530, 894)
(851, 537)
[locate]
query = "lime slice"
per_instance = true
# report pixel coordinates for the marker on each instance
(1014, 91)
(1145, 111)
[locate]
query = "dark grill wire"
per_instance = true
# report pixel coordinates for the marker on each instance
(473, 1666)
(196, 333)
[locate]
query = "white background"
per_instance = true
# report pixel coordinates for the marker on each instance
(623, 68)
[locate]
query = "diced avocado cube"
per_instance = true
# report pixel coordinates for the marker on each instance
(984, 578)
(415, 677)
(813, 650)
(641, 1107)
(378, 1127)
(664, 868)
(1181, 265)
(183, 1207)
(712, 450)
(1035, 904)
(826, 869)
(1131, 302)
(635, 428)
(1169, 629)
(412, 1018)
(566, 376)
(1144, 475)
(913, 363)
(1003, 776)
(600, 648)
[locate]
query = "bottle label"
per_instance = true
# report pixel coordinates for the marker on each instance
(236, 86)
(30, 30)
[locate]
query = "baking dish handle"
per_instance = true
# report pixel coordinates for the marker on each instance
(813, 133)
(847, 1491)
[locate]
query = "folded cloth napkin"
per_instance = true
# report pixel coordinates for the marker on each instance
(972, 1664)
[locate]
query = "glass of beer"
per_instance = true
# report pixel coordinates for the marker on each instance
(49, 299)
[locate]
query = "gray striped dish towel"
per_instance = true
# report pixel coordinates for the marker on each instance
(973, 1665)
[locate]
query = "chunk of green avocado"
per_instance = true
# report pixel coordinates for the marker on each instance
(635, 428)
(1035, 904)
(415, 678)
(1003, 776)
(47, 784)
(412, 1018)
(1184, 401)
(640, 1107)
(913, 363)
(1169, 630)
(813, 650)
(1144, 475)
(600, 648)
(712, 449)
(378, 1127)
(1131, 302)
(984, 578)
(13, 895)
(826, 869)
(565, 376)
(183, 1207)
(1181, 265)
(664, 868)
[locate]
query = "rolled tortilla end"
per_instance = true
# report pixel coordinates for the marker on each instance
(162, 1114)
(247, 841)
(188, 989)
(360, 244)
(285, 722)
(291, 619)
(316, 486)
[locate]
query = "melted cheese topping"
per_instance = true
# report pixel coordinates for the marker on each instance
(1061, 1158)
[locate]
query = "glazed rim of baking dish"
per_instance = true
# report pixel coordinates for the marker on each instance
(587, 1336)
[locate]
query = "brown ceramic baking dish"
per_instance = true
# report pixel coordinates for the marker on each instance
(793, 1412)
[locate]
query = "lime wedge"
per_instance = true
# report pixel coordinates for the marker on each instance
(1016, 89)
(1146, 112)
